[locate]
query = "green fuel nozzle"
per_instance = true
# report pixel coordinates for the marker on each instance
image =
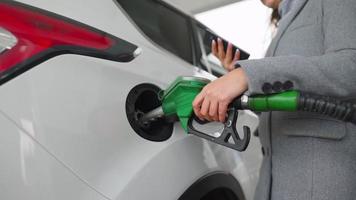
(178, 97)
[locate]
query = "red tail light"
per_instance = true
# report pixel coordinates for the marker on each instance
(30, 35)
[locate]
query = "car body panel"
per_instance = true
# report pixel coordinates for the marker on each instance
(30, 172)
(74, 107)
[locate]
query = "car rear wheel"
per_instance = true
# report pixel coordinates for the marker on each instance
(220, 194)
(214, 186)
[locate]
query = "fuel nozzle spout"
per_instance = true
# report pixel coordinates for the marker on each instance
(153, 115)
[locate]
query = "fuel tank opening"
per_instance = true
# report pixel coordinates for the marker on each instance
(142, 99)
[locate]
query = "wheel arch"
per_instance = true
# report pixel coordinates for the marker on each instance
(212, 183)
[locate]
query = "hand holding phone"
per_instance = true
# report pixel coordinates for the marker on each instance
(209, 37)
(228, 56)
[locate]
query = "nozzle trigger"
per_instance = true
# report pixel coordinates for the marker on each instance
(229, 136)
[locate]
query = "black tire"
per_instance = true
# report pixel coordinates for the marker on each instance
(214, 186)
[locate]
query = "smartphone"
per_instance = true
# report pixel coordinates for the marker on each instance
(209, 36)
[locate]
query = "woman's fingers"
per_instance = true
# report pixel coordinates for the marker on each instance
(230, 63)
(236, 57)
(215, 97)
(222, 111)
(214, 48)
(221, 51)
(228, 56)
(213, 110)
(205, 108)
(197, 103)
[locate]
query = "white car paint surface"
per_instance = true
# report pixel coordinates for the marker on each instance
(64, 132)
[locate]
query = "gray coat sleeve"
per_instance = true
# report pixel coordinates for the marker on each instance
(333, 73)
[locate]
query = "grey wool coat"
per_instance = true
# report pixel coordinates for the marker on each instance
(307, 156)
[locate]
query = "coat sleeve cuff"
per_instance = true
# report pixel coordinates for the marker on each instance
(255, 75)
(262, 72)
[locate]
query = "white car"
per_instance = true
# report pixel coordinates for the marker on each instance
(70, 87)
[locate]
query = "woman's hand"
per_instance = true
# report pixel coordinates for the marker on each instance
(227, 58)
(212, 102)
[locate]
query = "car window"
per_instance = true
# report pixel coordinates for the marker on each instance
(165, 26)
(203, 32)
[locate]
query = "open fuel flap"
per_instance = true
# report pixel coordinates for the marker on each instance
(140, 100)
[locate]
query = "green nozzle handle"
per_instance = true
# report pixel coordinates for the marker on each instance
(307, 102)
(285, 101)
